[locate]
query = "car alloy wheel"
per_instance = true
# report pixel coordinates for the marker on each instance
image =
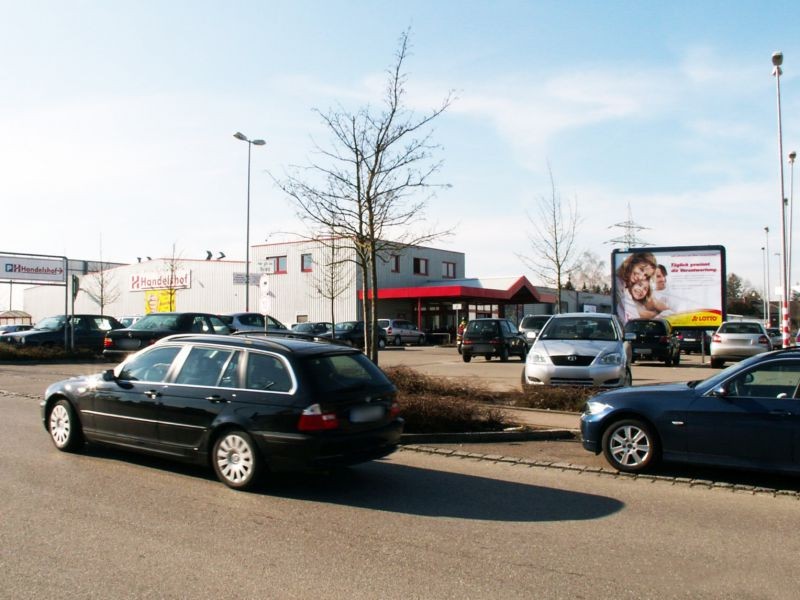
(63, 427)
(235, 459)
(629, 446)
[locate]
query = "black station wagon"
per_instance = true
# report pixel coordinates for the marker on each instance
(245, 404)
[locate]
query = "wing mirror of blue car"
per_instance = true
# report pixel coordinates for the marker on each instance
(720, 391)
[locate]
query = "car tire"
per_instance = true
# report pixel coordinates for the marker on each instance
(487, 357)
(64, 427)
(668, 361)
(421, 340)
(630, 446)
(381, 343)
(628, 378)
(398, 340)
(504, 354)
(716, 363)
(466, 357)
(235, 459)
(677, 360)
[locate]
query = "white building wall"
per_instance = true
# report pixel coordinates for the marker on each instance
(217, 286)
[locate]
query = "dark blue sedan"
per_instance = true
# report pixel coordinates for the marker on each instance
(746, 416)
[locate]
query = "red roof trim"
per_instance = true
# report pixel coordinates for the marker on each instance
(461, 291)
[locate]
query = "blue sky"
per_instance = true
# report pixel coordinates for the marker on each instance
(117, 119)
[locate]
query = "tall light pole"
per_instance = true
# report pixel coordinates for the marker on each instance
(777, 61)
(765, 303)
(792, 156)
(766, 273)
(250, 143)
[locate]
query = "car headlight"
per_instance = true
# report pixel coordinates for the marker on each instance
(614, 358)
(594, 407)
(536, 357)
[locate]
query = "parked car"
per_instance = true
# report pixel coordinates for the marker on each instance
(655, 340)
(248, 405)
(492, 337)
(247, 321)
(84, 331)
(401, 331)
(743, 416)
(313, 327)
(129, 320)
(735, 340)
(775, 337)
(352, 333)
(531, 325)
(6, 329)
(694, 340)
(580, 349)
(151, 328)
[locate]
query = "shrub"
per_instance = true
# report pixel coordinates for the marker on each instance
(42, 354)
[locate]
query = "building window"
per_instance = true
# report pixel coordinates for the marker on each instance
(305, 263)
(420, 266)
(275, 264)
(394, 262)
(448, 270)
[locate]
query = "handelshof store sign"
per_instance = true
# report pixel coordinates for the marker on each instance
(161, 280)
(32, 269)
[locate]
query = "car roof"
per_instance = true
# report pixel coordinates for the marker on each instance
(258, 341)
(583, 315)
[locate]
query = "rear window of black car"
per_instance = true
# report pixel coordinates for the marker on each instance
(341, 372)
(646, 327)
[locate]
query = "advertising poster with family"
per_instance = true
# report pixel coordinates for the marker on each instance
(684, 285)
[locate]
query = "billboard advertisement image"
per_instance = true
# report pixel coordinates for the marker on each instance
(684, 285)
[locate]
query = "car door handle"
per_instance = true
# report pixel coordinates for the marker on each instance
(780, 413)
(152, 394)
(216, 399)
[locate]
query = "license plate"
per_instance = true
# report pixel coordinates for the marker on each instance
(365, 414)
(128, 344)
(643, 351)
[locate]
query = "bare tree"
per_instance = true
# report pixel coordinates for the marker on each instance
(173, 266)
(335, 274)
(591, 273)
(378, 161)
(552, 238)
(101, 288)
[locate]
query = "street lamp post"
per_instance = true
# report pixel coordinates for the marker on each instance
(765, 299)
(792, 156)
(240, 136)
(766, 274)
(777, 61)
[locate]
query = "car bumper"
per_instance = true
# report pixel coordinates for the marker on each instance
(296, 451)
(590, 433)
(593, 375)
(731, 352)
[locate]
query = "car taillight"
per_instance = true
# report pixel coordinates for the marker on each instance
(388, 331)
(107, 343)
(663, 340)
(313, 419)
(680, 337)
(394, 410)
(716, 338)
(764, 340)
(496, 342)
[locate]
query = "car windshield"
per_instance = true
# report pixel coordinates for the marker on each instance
(346, 326)
(156, 321)
(579, 328)
(51, 323)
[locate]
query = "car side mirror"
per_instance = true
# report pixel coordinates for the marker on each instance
(108, 375)
(720, 391)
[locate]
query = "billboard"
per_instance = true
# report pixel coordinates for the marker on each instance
(683, 284)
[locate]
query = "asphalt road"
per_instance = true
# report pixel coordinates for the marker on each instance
(106, 524)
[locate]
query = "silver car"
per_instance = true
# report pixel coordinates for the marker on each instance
(580, 349)
(735, 340)
(531, 325)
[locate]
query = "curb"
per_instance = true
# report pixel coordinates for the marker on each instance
(486, 436)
